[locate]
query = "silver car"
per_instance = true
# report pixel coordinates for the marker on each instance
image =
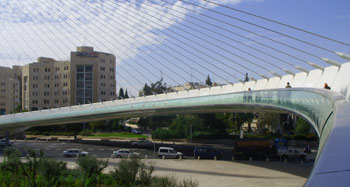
(3, 142)
(74, 153)
(124, 153)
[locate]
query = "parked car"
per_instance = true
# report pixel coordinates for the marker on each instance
(142, 143)
(286, 152)
(74, 153)
(136, 131)
(3, 142)
(168, 152)
(123, 153)
(207, 152)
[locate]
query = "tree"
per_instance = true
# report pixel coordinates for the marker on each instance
(246, 79)
(18, 109)
(159, 87)
(208, 81)
(121, 93)
(126, 96)
(268, 122)
(181, 125)
(97, 125)
(147, 90)
(302, 127)
(241, 118)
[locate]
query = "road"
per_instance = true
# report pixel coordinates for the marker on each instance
(207, 173)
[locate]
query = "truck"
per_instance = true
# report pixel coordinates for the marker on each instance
(261, 148)
(245, 148)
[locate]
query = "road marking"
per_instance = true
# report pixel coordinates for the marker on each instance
(101, 149)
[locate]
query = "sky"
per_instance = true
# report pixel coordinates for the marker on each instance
(175, 40)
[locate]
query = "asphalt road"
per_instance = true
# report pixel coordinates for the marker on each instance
(206, 172)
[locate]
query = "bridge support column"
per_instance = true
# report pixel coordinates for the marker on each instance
(7, 138)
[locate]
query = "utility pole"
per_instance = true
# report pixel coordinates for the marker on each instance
(191, 133)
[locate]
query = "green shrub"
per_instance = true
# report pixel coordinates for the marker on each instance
(172, 182)
(211, 135)
(51, 169)
(90, 166)
(85, 132)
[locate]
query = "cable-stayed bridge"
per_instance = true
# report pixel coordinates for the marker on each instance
(186, 41)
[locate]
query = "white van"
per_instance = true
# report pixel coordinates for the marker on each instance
(168, 152)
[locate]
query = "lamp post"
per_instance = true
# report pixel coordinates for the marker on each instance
(154, 145)
(282, 132)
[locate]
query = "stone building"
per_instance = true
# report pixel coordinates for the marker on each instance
(10, 89)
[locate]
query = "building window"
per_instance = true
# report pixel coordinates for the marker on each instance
(35, 102)
(46, 93)
(103, 60)
(112, 93)
(47, 77)
(65, 76)
(64, 93)
(84, 84)
(57, 85)
(56, 101)
(3, 84)
(35, 69)
(103, 92)
(3, 90)
(65, 68)
(46, 101)
(46, 85)
(103, 76)
(111, 69)
(57, 77)
(57, 68)
(55, 93)
(47, 69)
(35, 93)
(103, 68)
(65, 84)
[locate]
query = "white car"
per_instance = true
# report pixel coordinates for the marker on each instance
(285, 152)
(168, 152)
(3, 142)
(123, 153)
(74, 153)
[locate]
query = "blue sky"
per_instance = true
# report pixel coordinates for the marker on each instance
(151, 41)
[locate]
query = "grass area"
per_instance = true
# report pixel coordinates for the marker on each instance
(120, 135)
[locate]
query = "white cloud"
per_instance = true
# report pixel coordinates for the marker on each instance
(33, 28)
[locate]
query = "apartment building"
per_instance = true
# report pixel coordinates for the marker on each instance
(10, 89)
(46, 84)
(88, 77)
(92, 76)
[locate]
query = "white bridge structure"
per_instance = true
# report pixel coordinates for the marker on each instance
(187, 40)
(327, 111)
